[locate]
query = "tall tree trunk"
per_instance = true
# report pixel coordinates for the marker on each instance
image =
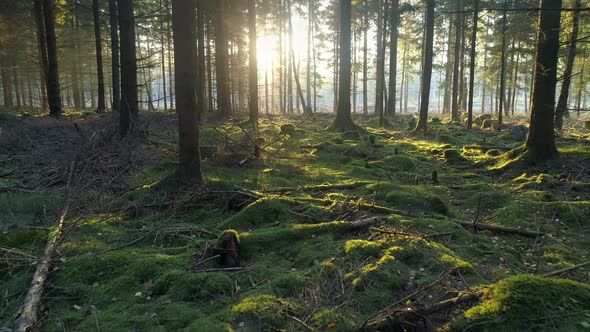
(343, 121)
(53, 88)
(129, 100)
(99, 70)
(115, 59)
(457, 61)
(561, 109)
(427, 66)
(163, 57)
(16, 81)
(309, 47)
(365, 62)
(42, 47)
(502, 92)
(448, 72)
(540, 143)
(393, 57)
(515, 82)
(211, 102)
(380, 65)
(253, 66)
(169, 46)
(185, 26)
(281, 52)
(581, 85)
(472, 64)
(221, 63)
(201, 70)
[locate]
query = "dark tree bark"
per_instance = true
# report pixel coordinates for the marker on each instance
(253, 64)
(210, 103)
(115, 74)
(163, 60)
(201, 69)
(184, 26)
(391, 102)
(472, 63)
(365, 61)
(343, 121)
(380, 65)
(427, 66)
(448, 72)
(540, 143)
(457, 61)
(42, 46)
(502, 92)
(221, 63)
(98, 41)
(561, 109)
(53, 87)
(129, 102)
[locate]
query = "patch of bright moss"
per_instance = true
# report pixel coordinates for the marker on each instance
(529, 303)
(264, 311)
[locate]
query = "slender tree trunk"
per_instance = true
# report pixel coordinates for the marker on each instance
(515, 81)
(365, 62)
(380, 65)
(502, 89)
(343, 121)
(309, 47)
(115, 62)
(99, 70)
(129, 99)
(581, 85)
(185, 26)
(540, 143)
(163, 58)
(169, 42)
(561, 109)
(448, 72)
(42, 46)
(456, 62)
(427, 66)
(201, 69)
(393, 57)
(53, 87)
(472, 64)
(211, 102)
(253, 65)
(221, 63)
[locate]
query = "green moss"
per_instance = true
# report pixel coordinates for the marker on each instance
(529, 303)
(400, 163)
(289, 284)
(409, 199)
(180, 285)
(267, 210)
(329, 319)
(265, 311)
(452, 156)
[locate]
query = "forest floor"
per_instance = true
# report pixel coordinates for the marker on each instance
(138, 256)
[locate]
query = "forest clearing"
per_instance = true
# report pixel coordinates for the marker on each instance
(179, 165)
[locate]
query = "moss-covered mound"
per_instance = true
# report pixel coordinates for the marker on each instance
(530, 303)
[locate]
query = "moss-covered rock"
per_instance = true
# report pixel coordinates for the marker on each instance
(452, 156)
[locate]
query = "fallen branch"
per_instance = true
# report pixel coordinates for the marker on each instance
(498, 229)
(567, 269)
(316, 187)
(222, 269)
(364, 223)
(28, 315)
